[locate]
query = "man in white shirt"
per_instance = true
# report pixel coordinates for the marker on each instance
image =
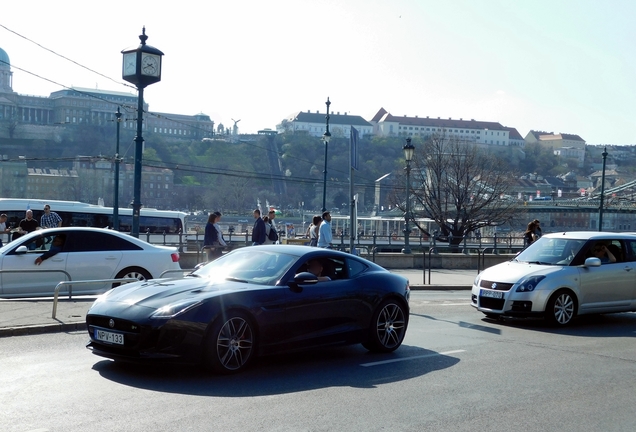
(324, 232)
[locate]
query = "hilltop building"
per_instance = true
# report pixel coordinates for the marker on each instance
(314, 124)
(480, 132)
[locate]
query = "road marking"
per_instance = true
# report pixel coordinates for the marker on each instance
(410, 358)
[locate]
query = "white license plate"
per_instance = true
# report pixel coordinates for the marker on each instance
(491, 294)
(110, 337)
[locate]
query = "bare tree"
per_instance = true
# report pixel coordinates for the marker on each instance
(459, 186)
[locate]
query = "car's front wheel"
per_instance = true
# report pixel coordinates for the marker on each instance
(561, 308)
(388, 327)
(231, 343)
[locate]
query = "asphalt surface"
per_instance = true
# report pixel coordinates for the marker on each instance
(35, 316)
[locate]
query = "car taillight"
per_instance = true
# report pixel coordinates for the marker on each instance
(175, 257)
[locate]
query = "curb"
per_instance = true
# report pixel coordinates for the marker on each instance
(81, 325)
(42, 329)
(440, 287)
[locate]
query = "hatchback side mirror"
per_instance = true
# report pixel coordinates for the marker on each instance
(592, 262)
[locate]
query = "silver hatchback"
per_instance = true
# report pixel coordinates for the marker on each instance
(560, 276)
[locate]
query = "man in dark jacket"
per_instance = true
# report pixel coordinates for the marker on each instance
(258, 232)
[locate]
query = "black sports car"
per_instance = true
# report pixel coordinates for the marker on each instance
(254, 300)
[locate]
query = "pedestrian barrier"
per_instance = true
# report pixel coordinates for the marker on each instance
(86, 282)
(182, 271)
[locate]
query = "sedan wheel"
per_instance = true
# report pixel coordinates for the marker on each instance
(561, 308)
(134, 273)
(231, 344)
(388, 327)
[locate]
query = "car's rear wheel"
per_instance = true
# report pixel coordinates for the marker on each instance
(132, 272)
(561, 308)
(388, 327)
(231, 343)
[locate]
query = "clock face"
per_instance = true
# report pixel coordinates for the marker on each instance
(130, 64)
(150, 65)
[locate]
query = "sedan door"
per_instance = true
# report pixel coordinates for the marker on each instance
(21, 277)
(94, 255)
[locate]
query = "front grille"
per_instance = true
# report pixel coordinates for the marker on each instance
(491, 303)
(120, 324)
(498, 286)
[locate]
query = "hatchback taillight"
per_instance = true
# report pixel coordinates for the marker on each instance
(175, 257)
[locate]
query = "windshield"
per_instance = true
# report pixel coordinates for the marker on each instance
(248, 265)
(551, 251)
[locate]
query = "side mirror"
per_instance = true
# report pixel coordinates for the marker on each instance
(592, 262)
(304, 278)
(21, 250)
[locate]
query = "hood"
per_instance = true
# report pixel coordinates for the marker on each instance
(157, 293)
(512, 271)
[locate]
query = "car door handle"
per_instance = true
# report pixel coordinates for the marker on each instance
(628, 268)
(111, 257)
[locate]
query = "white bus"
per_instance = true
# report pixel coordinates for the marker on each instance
(75, 213)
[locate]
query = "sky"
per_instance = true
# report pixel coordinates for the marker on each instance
(562, 66)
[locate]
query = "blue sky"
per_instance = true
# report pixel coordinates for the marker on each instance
(561, 65)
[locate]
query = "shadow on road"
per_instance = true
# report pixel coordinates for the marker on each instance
(280, 374)
(608, 325)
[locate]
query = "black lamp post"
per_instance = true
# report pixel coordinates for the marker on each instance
(325, 137)
(408, 156)
(116, 192)
(600, 207)
(141, 67)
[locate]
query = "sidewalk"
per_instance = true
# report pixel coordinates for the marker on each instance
(34, 316)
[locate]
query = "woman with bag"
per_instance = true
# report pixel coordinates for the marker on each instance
(211, 238)
(313, 231)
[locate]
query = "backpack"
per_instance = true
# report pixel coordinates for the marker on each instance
(273, 235)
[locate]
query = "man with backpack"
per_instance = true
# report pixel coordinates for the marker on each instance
(270, 228)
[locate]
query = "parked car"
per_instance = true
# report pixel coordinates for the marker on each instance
(85, 254)
(560, 276)
(252, 301)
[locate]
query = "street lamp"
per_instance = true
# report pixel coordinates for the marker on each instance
(600, 207)
(141, 67)
(325, 137)
(408, 156)
(116, 192)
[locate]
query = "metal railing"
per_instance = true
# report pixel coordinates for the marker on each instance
(56, 292)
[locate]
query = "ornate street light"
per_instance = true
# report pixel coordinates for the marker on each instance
(141, 67)
(600, 207)
(409, 149)
(116, 192)
(325, 137)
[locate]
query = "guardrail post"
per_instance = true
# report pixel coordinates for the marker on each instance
(374, 240)
(246, 238)
(180, 242)
(494, 251)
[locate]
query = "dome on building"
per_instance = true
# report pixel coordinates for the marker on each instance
(4, 59)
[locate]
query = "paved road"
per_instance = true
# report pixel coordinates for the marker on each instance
(455, 372)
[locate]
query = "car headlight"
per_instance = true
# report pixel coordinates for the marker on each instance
(174, 309)
(476, 281)
(529, 284)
